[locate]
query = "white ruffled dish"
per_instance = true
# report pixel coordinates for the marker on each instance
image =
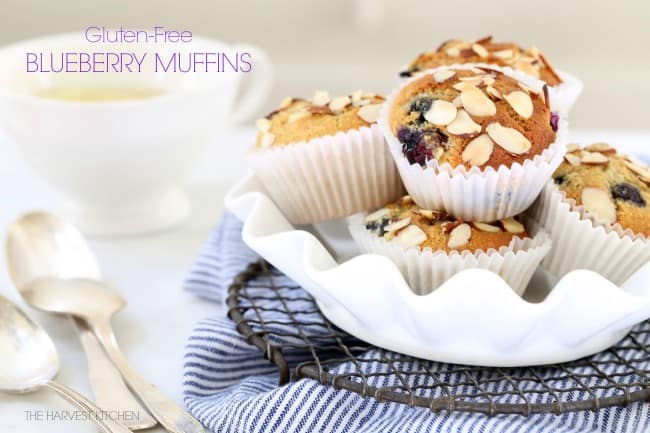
(474, 318)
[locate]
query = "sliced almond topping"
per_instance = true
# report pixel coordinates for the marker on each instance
(488, 80)
(377, 215)
(267, 139)
(339, 103)
(444, 75)
(503, 54)
(641, 171)
(263, 124)
(356, 96)
(399, 224)
(361, 102)
(441, 112)
(477, 103)
(520, 102)
(369, 113)
(411, 236)
(513, 226)
(463, 124)
(480, 50)
(594, 158)
(573, 159)
(459, 236)
(286, 102)
(527, 67)
(599, 204)
(293, 117)
(462, 85)
(320, 98)
(457, 102)
(572, 147)
(478, 151)
(429, 214)
(484, 227)
(601, 147)
(453, 51)
(493, 92)
(511, 140)
(407, 199)
(475, 80)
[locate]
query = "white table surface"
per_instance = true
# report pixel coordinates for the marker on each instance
(148, 270)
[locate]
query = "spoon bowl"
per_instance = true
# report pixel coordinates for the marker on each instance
(29, 359)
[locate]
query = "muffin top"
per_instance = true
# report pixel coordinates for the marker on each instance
(478, 117)
(304, 119)
(612, 187)
(531, 61)
(404, 223)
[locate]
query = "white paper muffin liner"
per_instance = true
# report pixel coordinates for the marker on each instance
(426, 270)
(329, 177)
(477, 194)
(580, 242)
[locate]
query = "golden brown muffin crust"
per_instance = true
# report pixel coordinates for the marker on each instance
(492, 95)
(303, 120)
(404, 222)
(611, 186)
(531, 61)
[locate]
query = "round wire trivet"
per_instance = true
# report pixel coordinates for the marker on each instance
(284, 322)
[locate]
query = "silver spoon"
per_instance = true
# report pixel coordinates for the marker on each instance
(35, 255)
(90, 300)
(29, 361)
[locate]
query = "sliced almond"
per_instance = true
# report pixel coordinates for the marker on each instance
(361, 102)
(263, 124)
(572, 147)
(267, 139)
(462, 85)
(286, 102)
(320, 98)
(443, 75)
(411, 236)
(441, 112)
(525, 88)
(369, 113)
(429, 214)
(475, 80)
(503, 54)
(478, 151)
(463, 124)
(520, 102)
(573, 159)
(604, 148)
(641, 171)
(459, 236)
(457, 102)
(453, 51)
(484, 227)
(513, 226)
(493, 92)
(511, 140)
(488, 80)
(599, 204)
(397, 225)
(594, 158)
(527, 67)
(356, 96)
(480, 50)
(293, 117)
(377, 215)
(477, 103)
(339, 103)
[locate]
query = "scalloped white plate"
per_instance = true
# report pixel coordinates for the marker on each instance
(474, 318)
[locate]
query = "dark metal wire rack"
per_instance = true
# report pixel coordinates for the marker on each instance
(284, 322)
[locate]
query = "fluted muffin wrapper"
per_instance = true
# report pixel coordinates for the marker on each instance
(425, 270)
(477, 194)
(329, 177)
(581, 242)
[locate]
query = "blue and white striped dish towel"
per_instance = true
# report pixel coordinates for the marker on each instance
(230, 388)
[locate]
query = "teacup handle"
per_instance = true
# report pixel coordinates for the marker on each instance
(259, 85)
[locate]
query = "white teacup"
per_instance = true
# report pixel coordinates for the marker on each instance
(122, 163)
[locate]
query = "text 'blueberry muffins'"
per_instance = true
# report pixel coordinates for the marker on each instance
(325, 157)
(596, 209)
(565, 87)
(475, 141)
(430, 246)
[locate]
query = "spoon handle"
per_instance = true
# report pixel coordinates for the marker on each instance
(95, 413)
(106, 382)
(169, 414)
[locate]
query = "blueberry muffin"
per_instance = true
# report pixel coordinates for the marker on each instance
(404, 223)
(612, 187)
(429, 247)
(477, 117)
(305, 119)
(531, 61)
(325, 158)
